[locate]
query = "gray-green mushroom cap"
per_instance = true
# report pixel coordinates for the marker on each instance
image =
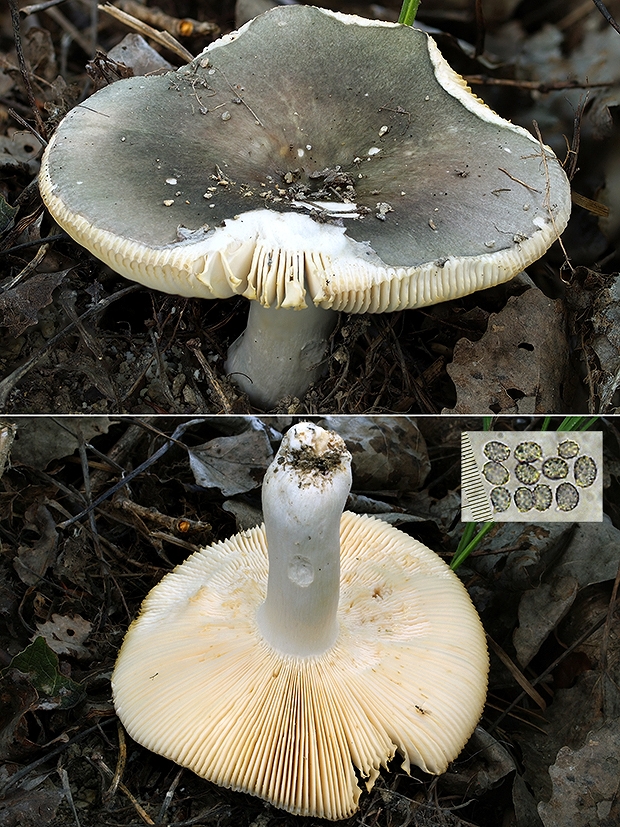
(310, 160)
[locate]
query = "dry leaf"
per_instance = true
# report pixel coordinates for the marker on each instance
(65, 635)
(520, 363)
(20, 306)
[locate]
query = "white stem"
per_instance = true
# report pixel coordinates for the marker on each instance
(304, 493)
(280, 353)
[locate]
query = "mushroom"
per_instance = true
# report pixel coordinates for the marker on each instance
(293, 656)
(311, 161)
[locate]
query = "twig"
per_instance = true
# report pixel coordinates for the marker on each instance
(9, 382)
(28, 269)
(194, 346)
(163, 38)
(567, 261)
(17, 776)
(517, 180)
(180, 430)
(169, 796)
(603, 10)
(186, 27)
(516, 673)
(99, 762)
(22, 122)
(75, 34)
(109, 794)
(534, 85)
(23, 68)
(581, 639)
(180, 524)
(66, 788)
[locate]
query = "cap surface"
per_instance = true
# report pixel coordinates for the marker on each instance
(311, 156)
(195, 681)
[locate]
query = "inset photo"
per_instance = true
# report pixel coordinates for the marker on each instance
(550, 476)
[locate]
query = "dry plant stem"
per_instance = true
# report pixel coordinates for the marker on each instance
(10, 381)
(117, 453)
(99, 762)
(67, 302)
(163, 38)
(120, 764)
(58, 17)
(603, 10)
(169, 796)
(163, 520)
(24, 68)
(516, 673)
(194, 346)
(35, 8)
(180, 430)
(28, 269)
(66, 788)
(24, 771)
(543, 156)
(103, 565)
(534, 85)
(590, 631)
(185, 27)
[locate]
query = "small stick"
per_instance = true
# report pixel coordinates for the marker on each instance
(98, 760)
(163, 38)
(517, 180)
(9, 382)
(169, 795)
(120, 765)
(186, 27)
(194, 346)
(24, 68)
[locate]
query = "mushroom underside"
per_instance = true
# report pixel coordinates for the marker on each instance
(196, 683)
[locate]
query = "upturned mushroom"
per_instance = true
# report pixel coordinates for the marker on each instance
(311, 161)
(287, 660)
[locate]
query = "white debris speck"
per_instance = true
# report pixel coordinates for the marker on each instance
(123, 139)
(373, 150)
(383, 130)
(171, 181)
(383, 208)
(308, 147)
(489, 244)
(507, 149)
(540, 221)
(79, 182)
(225, 115)
(301, 153)
(427, 97)
(168, 202)
(526, 207)
(204, 63)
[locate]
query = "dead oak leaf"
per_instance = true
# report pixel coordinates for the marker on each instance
(20, 305)
(65, 635)
(520, 363)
